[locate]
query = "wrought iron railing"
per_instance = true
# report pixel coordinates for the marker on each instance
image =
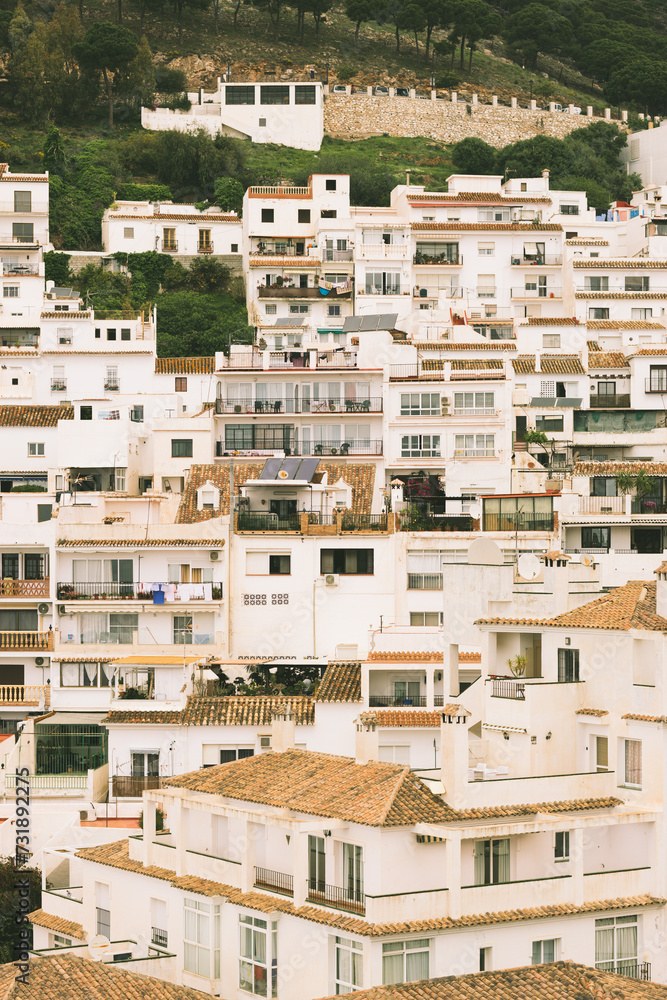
(507, 687)
(267, 522)
(124, 786)
(265, 878)
(424, 581)
(396, 701)
(159, 937)
(351, 899)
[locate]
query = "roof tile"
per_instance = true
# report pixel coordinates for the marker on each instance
(340, 682)
(185, 366)
(550, 364)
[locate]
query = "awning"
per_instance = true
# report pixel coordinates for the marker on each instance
(74, 719)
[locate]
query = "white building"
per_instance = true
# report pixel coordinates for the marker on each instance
(182, 230)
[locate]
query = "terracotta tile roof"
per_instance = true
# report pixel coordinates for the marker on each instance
(489, 197)
(83, 659)
(239, 710)
(278, 261)
(607, 359)
(495, 227)
(388, 718)
(361, 477)
(32, 178)
(597, 712)
(452, 345)
(629, 264)
(143, 718)
(426, 656)
(340, 682)
(645, 718)
(69, 977)
(184, 366)
(468, 364)
(70, 314)
(626, 607)
(551, 364)
(586, 241)
(470, 657)
(183, 217)
(116, 855)
(140, 543)
(551, 321)
(593, 346)
(34, 416)
(649, 352)
(533, 808)
(616, 468)
(620, 295)
(57, 924)
(373, 794)
(558, 981)
(623, 324)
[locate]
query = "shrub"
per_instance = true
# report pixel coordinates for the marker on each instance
(345, 72)
(447, 80)
(159, 819)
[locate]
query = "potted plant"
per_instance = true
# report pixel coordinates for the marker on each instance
(517, 665)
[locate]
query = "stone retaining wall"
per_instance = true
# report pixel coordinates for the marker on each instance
(234, 261)
(359, 116)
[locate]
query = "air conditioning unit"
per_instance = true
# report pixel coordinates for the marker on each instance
(331, 580)
(44, 609)
(444, 402)
(520, 397)
(40, 661)
(264, 743)
(62, 610)
(214, 556)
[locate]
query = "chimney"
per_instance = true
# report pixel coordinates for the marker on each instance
(454, 754)
(407, 177)
(661, 590)
(282, 728)
(368, 739)
(545, 178)
(538, 362)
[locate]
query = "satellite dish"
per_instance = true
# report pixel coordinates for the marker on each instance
(98, 947)
(484, 552)
(529, 566)
(475, 510)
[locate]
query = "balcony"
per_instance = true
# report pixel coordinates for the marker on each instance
(58, 385)
(290, 292)
(439, 260)
(397, 701)
(363, 447)
(24, 694)
(129, 787)
(353, 900)
(656, 384)
(618, 401)
(424, 581)
(169, 246)
(111, 385)
(383, 251)
(526, 522)
(550, 292)
(546, 260)
(24, 588)
(314, 522)
(508, 687)
(267, 522)
(474, 452)
(273, 406)
(601, 505)
(444, 522)
(159, 937)
(272, 881)
(205, 247)
(282, 191)
(19, 270)
(38, 642)
(335, 256)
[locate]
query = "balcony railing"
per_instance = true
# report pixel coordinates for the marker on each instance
(58, 385)
(291, 292)
(205, 247)
(267, 522)
(627, 967)
(396, 701)
(506, 687)
(656, 384)
(120, 635)
(618, 401)
(351, 899)
(364, 447)
(647, 507)
(24, 588)
(376, 251)
(330, 256)
(125, 786)
(601, 505)
(273, 406)
(37, 641)
(111, 385)
(545, 260)
(101, 590)
(550, 292)
(474, 453)
(485, 411)
(274, 881)
(524, 522)
(279, 192)
(441, 259)
(18, 270)
(159, 937)
(424, 581)
(169, 246)
(363, 522)
(23, 694)
(188, 637)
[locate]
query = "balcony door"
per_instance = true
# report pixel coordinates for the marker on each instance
(12, 673)
(145, 765)
(316, 864)
(10, 566)
(353, 871)
(12, 620)
(406, 692)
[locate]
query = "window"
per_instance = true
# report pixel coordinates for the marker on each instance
(10, 291)
(181, 448)
(486, 285)
(200, 937)
(180, 384)
(601, 753)
(229, 754)
(432, 618)
(569, 210)
(606, 388)
(544, 951)
(328, 213)
(125, 334)
(641, 314)
(330, 184)
(279, 565)
(23, 232)
(349, 965)
(102, 910)
(262, 122)
(267, 215)
(568, 666)
(420, 446)
(492, 215)
(474, 445)
(596, 538)
(271, 310)
(22, 201)
(474, 402)
(425, 570)
(274, 95)
(59, 941)
(258, 955)
(486, 249)
(88, 674)
(35, 450)
(204, 240)
(304, 95)
(548, 424)
(603, 486)
(299, 310)
(492, 861)
(551, 340)
(347, 561)
(658, 378)
(530, 513)
(239, 95)
(636, 283)
(405, 961)
(169, 239)
(183, 630)
(632, 762)
(98, 333)
(159, 922)
(616, 944)
(596, 283)
(431, 252)
(128, 232)
(420, 404)
(485, 956)
(111, 333)
(145, 765)
(234, 248)
(561, 853)
(597, 313)
(383, 282)
(304, 215)
(333, 310)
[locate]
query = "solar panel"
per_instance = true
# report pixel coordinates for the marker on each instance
(378, 321)
(271, 468)
(308, 468)
(543, 401)
(290, 321)
(351, 324)
(569, 401)
(291, 467)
